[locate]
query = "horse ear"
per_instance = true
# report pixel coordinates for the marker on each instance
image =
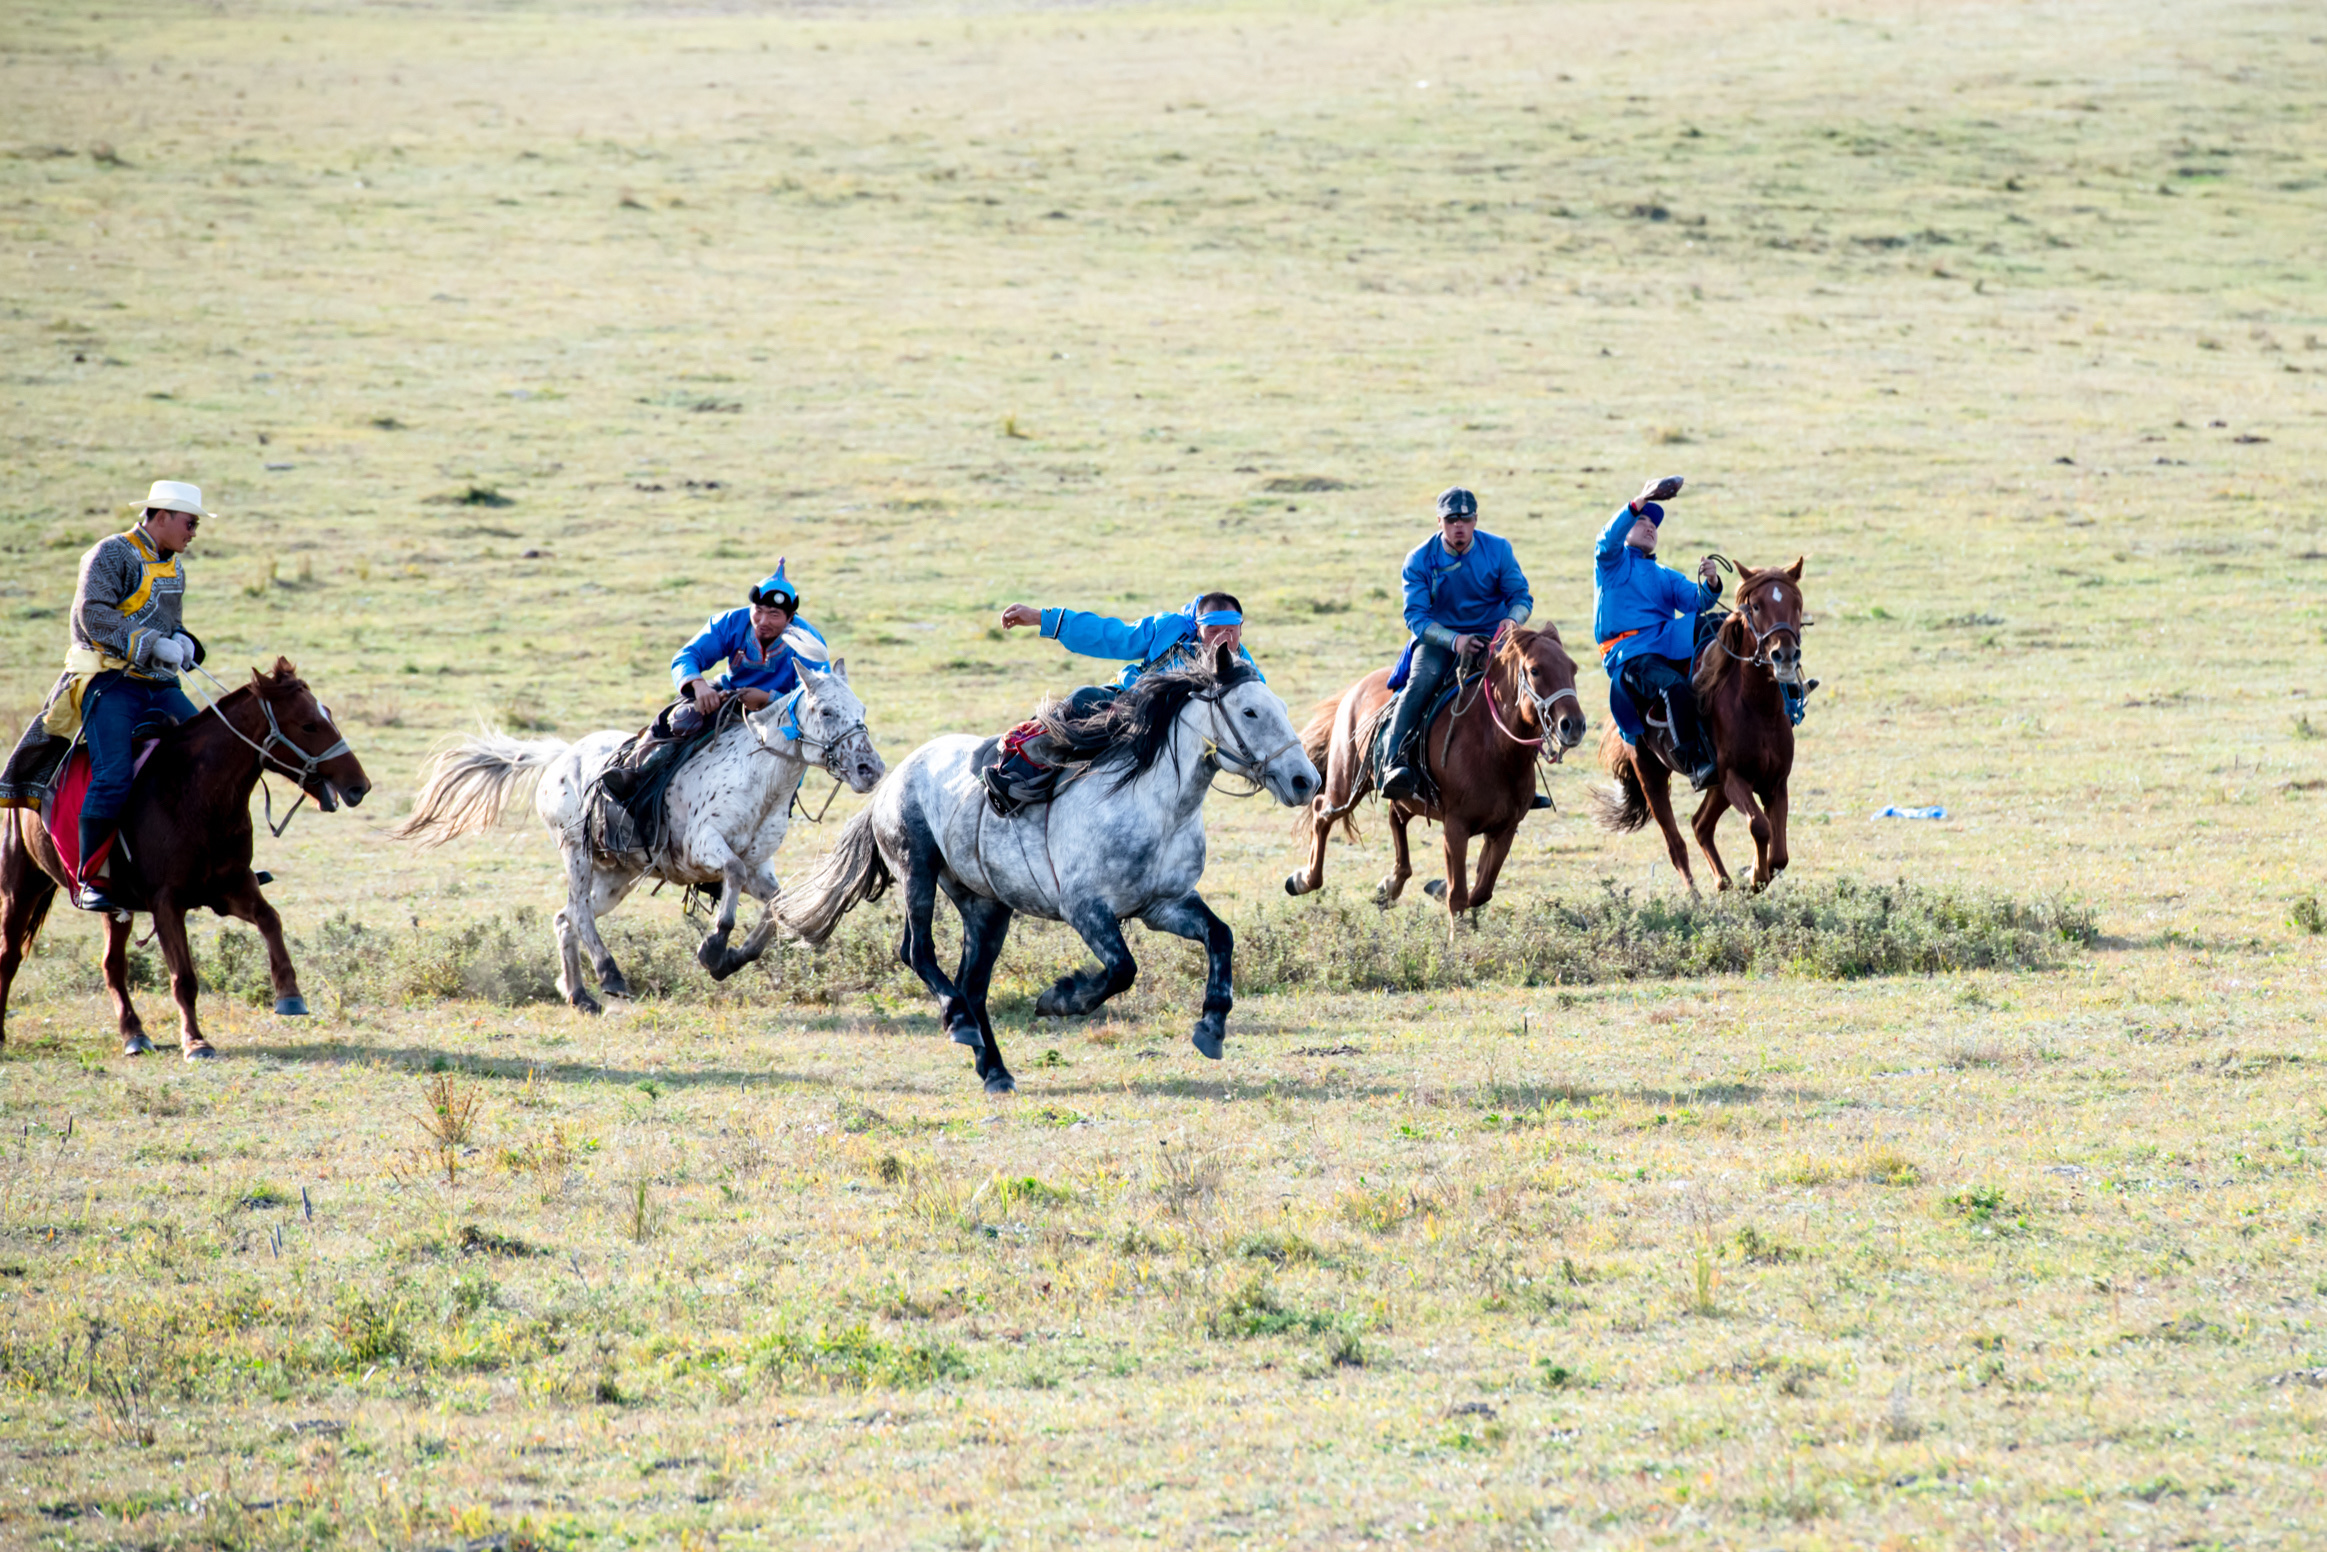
(1223, 659)
(284, 670)
(1795, 570)
(840, 669)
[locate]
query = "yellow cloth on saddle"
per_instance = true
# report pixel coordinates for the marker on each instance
(63, 717)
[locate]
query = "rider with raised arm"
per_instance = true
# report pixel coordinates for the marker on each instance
(128, 641)
(1463, 588)
(1159, 643)
(1644, 616)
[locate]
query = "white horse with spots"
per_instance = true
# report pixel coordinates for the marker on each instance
(726, 812)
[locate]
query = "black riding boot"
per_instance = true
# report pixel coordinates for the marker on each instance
(92, 895)
(1429, 672)
(1690, 744)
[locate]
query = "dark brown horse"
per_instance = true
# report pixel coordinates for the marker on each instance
(188, 834)
(1480, 753)
(1737, 677)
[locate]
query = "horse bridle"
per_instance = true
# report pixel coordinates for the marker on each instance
(1253, 765)
(308, 765)
(829, 746)
(1541, 704)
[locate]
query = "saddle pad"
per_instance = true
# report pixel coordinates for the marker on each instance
(62, 812)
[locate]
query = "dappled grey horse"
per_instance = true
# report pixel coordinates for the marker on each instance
(1122, 838)
(727, 810)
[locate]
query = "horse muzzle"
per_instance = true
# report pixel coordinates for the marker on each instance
(1785, 664)
(858, 765)
(1571, 730)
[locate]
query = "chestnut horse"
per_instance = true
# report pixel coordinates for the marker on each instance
(1758, 647)
(1480, 753)
(187, 832)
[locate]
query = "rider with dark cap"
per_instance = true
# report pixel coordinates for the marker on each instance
(755, 651)
(1644, 616)
(1463, 589)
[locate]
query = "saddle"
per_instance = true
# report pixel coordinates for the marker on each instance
(626, 804)
(60, 811)
(1374, 738)
(1015, 779)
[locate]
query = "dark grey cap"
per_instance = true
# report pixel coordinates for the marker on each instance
(1454, 501)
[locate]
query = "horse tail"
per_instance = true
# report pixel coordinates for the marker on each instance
(853, 872)
(469, 785)
(1623, 806)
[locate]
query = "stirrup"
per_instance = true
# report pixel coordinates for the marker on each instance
(90, 896)
(1399, 782)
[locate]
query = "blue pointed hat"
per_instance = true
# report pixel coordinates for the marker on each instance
(776, 588)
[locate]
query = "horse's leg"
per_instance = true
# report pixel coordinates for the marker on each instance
(133, 1036)
(178, 954)
(1401, 859)
(246, 903)
(712, 852)
(1311, 878)
(573, 921)
(1494, 847)
(1190, 917)
(918, 949)
(1707, 821)
(1455, 888)
(762, 885)
(1777, 856)
(985, 923)
(1656, 785)
(1741, 798)
(1083, 990)
(26, 893)
(609, 887)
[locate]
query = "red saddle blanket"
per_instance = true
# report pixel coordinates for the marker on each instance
(62, 812)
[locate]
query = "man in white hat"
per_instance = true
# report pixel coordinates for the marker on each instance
(121, 672)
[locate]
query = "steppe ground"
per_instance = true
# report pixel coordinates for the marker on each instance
(510, 342)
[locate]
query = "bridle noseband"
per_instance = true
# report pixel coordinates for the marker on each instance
(300, 774)
(1253, 766)
(855, 732)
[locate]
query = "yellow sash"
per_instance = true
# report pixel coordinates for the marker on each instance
(63, 717)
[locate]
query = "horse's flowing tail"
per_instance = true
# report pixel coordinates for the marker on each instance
(1623, 806)
(853, 872)
(470, 784)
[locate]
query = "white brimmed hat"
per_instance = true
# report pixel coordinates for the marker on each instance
(175, 496)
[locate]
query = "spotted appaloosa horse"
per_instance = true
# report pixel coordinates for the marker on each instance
(1758, 647)
(188, 836)
(1480, 752)
(728, 810)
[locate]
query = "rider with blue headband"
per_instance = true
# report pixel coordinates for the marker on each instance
(1183, 638)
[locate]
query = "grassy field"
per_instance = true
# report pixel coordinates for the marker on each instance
(512, 341)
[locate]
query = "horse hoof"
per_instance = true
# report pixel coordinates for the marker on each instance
(291, 1007)
(1001, 1083)
(199, 1051)
(136, 1044)
(1296, 885)
(1207, 1039)
(585, 1003)
(711, 953)
(1053, 1002)
(1435, 889)
(965, 1033)
(613, 985)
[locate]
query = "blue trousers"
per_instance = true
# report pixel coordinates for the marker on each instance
(114, 708)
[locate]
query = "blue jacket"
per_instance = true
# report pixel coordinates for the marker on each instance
(1632, 593)
(1155, 644)
(729, 637)
(1466, 595)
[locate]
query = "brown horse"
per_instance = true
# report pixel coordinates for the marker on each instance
(1758, 647)
(187, 831)
(1480, 753)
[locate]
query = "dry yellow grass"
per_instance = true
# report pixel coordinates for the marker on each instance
(2007, 315)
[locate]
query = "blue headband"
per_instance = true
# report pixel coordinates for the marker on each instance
(1218, 617)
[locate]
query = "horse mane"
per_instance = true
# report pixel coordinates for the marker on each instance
(1137, 724)
(1714, 668)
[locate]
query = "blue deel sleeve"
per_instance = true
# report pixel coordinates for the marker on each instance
(1519, 602)
(1611, 542)
(1417, 583)
(1096, 635)
(699, 656)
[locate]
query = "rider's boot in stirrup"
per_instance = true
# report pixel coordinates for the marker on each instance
(90, 892)
(1404, 774)
(1690, 745)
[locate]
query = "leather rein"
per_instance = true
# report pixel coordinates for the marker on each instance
(308, 764)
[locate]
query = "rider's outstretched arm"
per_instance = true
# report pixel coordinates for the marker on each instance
(1098, 635)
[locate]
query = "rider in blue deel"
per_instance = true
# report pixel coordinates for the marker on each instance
(1644, 616)
(1463, 588)
(760, 645)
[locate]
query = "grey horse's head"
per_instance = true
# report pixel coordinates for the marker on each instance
(1255, 737)
(832, 725)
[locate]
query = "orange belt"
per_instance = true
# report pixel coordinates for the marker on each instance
(1614, 641)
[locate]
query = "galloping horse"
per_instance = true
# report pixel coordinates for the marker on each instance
(1480, 755)
(729, 808)
(1123, 837)
(187, 835)
(1757, 648)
